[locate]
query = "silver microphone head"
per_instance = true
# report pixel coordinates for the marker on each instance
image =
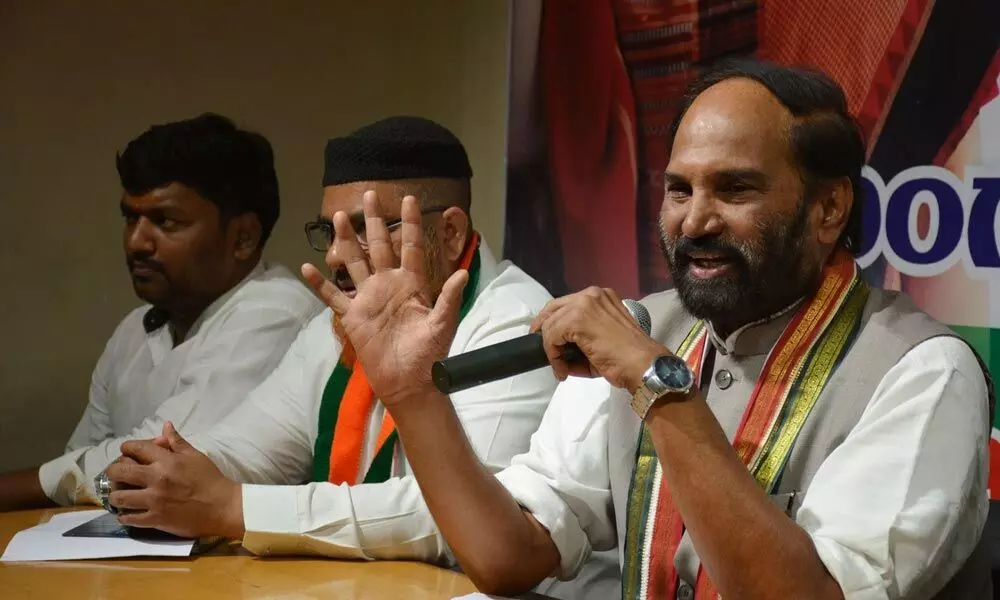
(639, 313)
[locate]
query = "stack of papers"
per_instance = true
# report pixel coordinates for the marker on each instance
(47, 542)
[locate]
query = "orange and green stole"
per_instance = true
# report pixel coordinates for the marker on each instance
(347, 404)
(793, 376)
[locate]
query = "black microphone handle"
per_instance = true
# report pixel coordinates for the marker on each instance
(505, 359)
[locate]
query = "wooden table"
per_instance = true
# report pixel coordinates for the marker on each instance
(228, 571)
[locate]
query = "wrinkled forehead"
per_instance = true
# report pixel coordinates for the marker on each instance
(736, 124)
(348, 197)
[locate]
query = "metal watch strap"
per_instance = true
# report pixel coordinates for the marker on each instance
(648, 390)
(653, 388)
(102, 485)
(642, 401)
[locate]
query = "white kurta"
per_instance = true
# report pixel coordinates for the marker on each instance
(143, 380)
(883, 528)
(269, 439)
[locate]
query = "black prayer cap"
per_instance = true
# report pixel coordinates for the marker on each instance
(399, 147)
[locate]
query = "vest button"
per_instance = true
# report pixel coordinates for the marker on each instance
(685, 591)
(723, 379)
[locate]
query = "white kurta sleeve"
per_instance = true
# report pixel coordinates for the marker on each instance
(268, 438)
(390, 520)
(897, 508)
(218, 376)
(95, 424)
(564, 479)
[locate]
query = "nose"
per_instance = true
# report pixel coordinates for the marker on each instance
(333, 262)
(139, 238)
(702, 218)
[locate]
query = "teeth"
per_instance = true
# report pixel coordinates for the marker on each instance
(708, 262)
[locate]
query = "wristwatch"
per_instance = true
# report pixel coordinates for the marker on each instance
(102, 484)
(667, 375)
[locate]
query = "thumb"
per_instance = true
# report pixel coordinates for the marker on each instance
(324, 288)
(449, 301)
(174, 439)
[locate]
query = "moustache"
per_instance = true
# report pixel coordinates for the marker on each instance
(146, 263)
(681, 252)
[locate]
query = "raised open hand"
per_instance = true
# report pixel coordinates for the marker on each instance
(396, 328)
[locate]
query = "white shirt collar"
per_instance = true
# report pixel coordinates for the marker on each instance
(163, 332)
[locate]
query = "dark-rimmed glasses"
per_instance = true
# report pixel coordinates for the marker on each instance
(320, 234)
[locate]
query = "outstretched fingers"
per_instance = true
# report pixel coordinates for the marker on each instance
(379, 243)
(412, 254)
(348, 248)
(449, 302)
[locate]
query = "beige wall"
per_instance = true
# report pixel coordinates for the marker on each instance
(79, 81)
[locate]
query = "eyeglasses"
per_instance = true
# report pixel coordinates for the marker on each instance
(320, 233)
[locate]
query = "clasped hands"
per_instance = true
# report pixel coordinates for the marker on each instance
(168, 484)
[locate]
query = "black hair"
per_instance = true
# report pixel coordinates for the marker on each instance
(230, 167)
(826, 141)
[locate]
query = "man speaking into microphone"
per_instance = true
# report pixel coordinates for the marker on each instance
(785, 431)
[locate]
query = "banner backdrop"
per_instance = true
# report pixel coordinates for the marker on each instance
(595, 85)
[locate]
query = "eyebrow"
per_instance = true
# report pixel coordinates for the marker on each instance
(669, 178)
(159, 207)
(751, 175)
(359, 221)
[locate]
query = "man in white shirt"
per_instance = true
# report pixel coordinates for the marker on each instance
(783, 432)
(200, 200)
(321, 468)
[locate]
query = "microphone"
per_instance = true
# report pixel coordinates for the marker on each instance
(512, 357)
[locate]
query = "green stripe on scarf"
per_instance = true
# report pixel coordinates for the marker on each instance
(381, 467)
(328, 408)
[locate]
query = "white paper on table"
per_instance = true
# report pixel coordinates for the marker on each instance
(46, 542)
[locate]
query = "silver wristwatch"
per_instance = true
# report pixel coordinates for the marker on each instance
(667, 375)
(102, 484)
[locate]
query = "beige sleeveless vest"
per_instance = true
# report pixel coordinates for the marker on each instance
(891, 325)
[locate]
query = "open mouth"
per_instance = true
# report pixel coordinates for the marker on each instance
(705, 266)
(344, 283)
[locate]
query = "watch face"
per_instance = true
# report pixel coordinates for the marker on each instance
(674, 372)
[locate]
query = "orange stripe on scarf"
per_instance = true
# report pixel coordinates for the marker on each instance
(777, 375)
(356, 407)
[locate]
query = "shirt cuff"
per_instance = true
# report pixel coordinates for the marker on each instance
(857, 579)
(64, 482)
(271, 519)
(533, 492)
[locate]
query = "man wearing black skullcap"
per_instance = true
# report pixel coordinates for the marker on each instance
(314, 427)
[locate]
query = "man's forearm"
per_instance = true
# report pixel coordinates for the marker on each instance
(22, 490)
(748, 546)
(500, 547)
